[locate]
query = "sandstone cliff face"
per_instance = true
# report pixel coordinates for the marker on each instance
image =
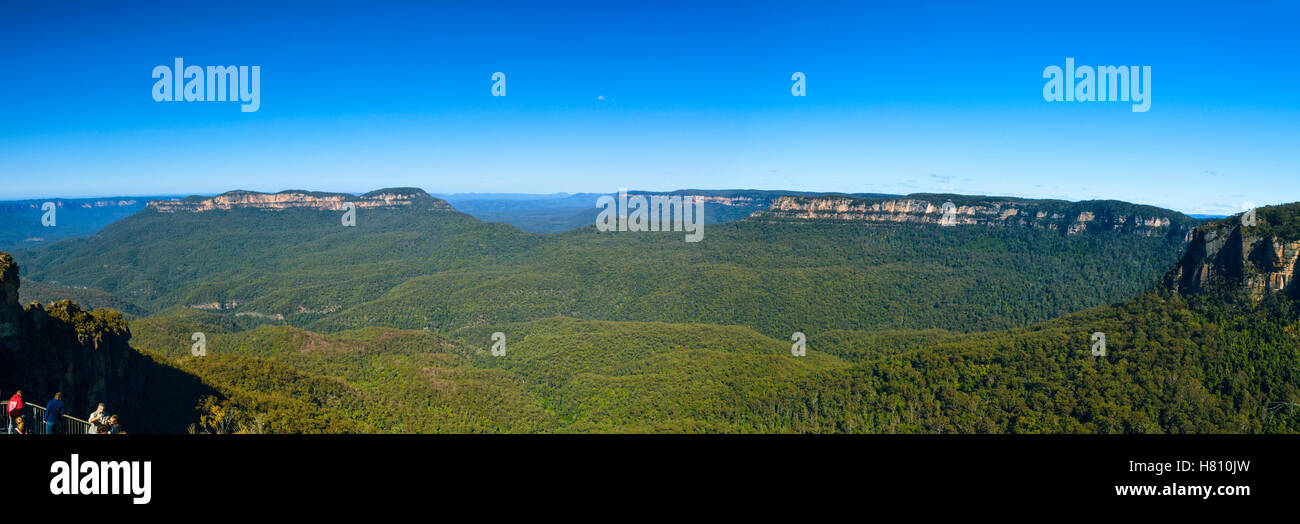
(1067, 217)
(383, 198)
(60, 347)
(729, 201)
(1255, 260)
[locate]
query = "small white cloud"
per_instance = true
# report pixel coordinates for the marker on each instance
(601, 98)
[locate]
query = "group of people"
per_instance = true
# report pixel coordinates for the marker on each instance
(100, 422)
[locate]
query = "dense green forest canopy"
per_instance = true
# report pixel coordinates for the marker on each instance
(432, 267)
(1170, 367)
(910, 328)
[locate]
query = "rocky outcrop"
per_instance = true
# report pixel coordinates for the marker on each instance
(383, 198)
(729, 201)
(86, 355)
(60, 347)
(1257, 260)
(1070, 218)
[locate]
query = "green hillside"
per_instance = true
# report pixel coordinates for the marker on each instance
(428, 266)
(1170, 367)
(911, 327)
(373, 379)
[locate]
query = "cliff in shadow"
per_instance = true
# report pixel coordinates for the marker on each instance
(87, 356)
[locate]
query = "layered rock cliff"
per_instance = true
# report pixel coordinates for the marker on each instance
(383, 198)
(1069, 218)
(1257, 259)
(60, 347)
(86, 355)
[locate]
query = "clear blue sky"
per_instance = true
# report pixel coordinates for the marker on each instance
(905, 98)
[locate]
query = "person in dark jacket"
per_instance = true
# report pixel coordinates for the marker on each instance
(53, 414)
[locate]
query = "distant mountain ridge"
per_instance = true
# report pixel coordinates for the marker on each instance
(21, 222)
(294, 198)
(561, 212)
(533, 213)
(565, 212)
(1069, 218)
(414, 261)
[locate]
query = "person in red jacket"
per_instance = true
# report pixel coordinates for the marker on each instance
(15, 408)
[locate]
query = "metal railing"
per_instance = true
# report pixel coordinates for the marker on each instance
(34, 421)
